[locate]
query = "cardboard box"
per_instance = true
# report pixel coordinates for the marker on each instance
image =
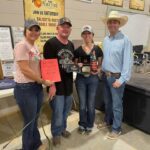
(1, 71)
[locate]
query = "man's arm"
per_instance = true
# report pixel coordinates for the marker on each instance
(127, 62)
(48, 53)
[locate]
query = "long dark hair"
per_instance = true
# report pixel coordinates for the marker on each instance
(24, 32)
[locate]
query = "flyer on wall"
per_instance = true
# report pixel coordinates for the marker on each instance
(6, 46)
(17, 33)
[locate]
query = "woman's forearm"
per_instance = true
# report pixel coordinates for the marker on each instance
(28, 72)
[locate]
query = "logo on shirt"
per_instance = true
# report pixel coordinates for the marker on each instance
(65, 58)
(34, 55)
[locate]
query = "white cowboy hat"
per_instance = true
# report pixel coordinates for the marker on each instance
(114, 15)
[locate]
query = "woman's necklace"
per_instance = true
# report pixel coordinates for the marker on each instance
(87, 48)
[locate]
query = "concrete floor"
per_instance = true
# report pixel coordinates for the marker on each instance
(131, 139)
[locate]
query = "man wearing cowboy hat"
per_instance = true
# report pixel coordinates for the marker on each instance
(116, 68)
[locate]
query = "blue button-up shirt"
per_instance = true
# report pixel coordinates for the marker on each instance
(118, 56)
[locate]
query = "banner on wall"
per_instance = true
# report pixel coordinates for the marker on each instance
(47, 13)
(113, 2)
(137, 4)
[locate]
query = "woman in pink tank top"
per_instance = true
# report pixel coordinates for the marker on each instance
(28, 90)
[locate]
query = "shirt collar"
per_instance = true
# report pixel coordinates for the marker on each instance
(117, 35)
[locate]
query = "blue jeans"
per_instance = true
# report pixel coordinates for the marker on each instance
(61, 106)
(86, 88)
(29, 97)
(113, 103)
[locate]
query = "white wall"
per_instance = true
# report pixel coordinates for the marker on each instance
(89, 13)
(82, 13)
(11, 13)
(79, 12)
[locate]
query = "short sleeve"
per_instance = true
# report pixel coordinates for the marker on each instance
(72, 46)
(76, 53)
(49, 51)
(99, 52)
(21, 52)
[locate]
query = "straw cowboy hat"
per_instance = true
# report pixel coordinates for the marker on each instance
(114, 15)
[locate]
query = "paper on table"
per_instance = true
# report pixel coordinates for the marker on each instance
(8, 68)
(50, 70)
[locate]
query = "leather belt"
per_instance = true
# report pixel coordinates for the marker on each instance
(111, 74)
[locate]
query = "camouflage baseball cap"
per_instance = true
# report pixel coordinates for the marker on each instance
(30, 23)
(64, 20)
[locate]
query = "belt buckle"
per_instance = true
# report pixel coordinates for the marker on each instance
(108, 74)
